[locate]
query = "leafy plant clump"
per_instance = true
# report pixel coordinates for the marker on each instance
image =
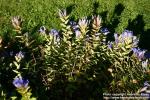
(79, 61)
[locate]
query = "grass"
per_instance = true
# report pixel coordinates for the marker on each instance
(44, 12)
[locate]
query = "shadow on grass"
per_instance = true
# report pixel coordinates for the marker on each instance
(137, 26)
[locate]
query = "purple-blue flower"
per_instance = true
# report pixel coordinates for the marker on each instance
(126, 38)
(127, 34)
(54, 32)
(77, 33)
(139, 53)
(74, 25)
(18, 82)
(116, 38)
(20, 55)
(110, 45)
(42, 29)
(105, 31)
(146, 84)
(55, 35)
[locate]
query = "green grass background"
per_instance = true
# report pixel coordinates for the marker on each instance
(45, 12)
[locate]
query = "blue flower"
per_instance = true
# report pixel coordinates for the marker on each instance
(110, 45)
(55, 35)
(18, 82)
(146, 84)
(74, 25)
(139, 53)
(54, 32)
(42, 30)
(127, 34)
(116, 38)
(105, 31)
(126, 38)
(20, 55)
(77, 33)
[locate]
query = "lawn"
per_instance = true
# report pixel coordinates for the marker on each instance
(36, 13)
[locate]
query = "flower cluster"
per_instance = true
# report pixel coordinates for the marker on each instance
(139, 53)
(42, 30)
(126, 38)
(19, 82)
(105, 31)
(19, 56)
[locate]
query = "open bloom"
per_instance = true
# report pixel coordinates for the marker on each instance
(105, 31)
(77, 33)
(20, 55)
(139, 53)
(126, 38)
(110, 45)
(42, 30)
(18, 82)
(146, 83)
(54, 32)
(74, 25)
(55, 35)
(116, 38)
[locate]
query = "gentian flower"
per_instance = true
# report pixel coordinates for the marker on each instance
(54, 32)
(74, 25)
(105, 31)
(20, 55)
(110, 45)
(42, 30)
(139, 53)
(18, 82)
(146, 84)
(116, 38)
(126, 36)
(77, 33)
